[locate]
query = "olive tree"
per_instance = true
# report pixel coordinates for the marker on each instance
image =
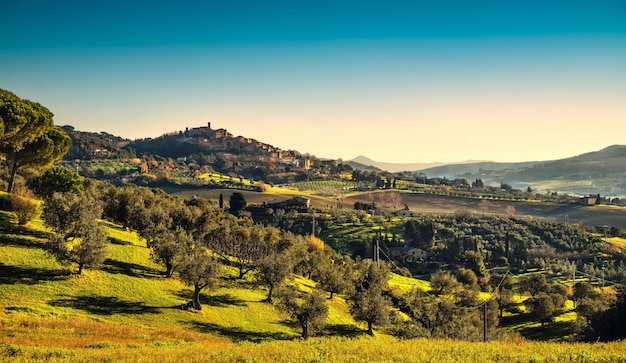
(79, 238)
(310, 311)
(367, 302)
(273, 270)
(198, 269)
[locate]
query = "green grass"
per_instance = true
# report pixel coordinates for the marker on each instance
(129, 289)
(406, 284)
(127, 311)
(617, 241)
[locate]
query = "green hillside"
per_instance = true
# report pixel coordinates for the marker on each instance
(599, 172)
(129, 289)
(127, 311)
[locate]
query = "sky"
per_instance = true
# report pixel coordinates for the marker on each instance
(397, 81)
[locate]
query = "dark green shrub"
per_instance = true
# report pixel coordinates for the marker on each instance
(24, 208)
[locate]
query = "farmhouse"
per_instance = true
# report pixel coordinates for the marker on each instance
(408, 254)
(590, 200)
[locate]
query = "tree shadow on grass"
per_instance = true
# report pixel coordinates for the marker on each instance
(20, 241)
(344, 330)
(215, 300)
(12, 275)
(551, 331)
(117, 241)
(129, 269)
(512, 321)
(13, 234)
(8, 225)
(237, 333)
(107, 305)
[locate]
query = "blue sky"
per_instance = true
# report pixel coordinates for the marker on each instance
(398, 81)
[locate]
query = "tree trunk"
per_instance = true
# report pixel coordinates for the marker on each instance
(269, 294)
(12, 177)
(305, 330)
(331, 295)
(370, 329)
(169, 269)
(195, 301)
(80, 268)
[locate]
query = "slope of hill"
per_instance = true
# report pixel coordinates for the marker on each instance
(127, 312)
(91, 145)
(394, 167)
(600, 172)
(453, 171)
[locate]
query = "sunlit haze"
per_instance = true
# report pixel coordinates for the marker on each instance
(398, 81)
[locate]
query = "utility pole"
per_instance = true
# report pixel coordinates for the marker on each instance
(313, 223)
(377, 249)
(603, 276)
(485, 321)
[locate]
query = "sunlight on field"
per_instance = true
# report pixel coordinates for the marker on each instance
(408, 283)
(617, 241)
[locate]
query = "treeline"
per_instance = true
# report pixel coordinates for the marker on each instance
(518, 243)
(93, 146)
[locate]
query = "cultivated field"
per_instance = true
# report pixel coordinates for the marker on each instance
(429, 203)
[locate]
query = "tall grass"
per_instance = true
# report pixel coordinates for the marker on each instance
(149, 346)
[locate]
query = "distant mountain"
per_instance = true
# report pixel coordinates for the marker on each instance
(453, 171)
(362, 166)
(599, 172)
(394, 167)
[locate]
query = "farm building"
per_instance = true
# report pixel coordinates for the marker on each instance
(408, 254)
(590, 200)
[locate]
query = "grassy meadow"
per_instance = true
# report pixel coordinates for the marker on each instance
(126, 311)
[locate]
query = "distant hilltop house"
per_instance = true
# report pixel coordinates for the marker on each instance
(404, 254)
(295, 202)
(589, 200)
(99, 150)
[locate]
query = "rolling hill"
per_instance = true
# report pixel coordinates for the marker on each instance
(452, 171)
(126, 311)
(599, 172)
(393, 167)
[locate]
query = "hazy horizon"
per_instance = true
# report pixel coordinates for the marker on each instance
(399, 82)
